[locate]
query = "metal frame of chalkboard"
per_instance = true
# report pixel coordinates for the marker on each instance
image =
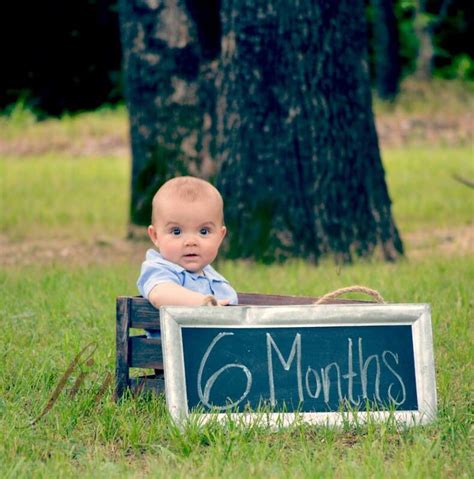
(173, 318)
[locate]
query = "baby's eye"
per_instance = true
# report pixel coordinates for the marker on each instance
(204, 231)
(175, 231)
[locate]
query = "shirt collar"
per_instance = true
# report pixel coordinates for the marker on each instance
(209, 271)
(213, 275)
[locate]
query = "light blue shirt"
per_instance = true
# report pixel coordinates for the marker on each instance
(156, 270)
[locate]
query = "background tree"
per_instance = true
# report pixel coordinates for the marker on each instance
(386, 48)
(289, 98)
(301, 170)
(168, 52)
(425, 23)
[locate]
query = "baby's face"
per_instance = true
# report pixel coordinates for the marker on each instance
(188, 233)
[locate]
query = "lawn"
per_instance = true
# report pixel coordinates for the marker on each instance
(50, 313)
(53, 308)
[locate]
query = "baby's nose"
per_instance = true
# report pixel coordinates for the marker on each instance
(190, 240)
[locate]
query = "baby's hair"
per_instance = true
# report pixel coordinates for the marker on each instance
(187, 188)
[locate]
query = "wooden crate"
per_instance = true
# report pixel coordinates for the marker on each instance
(137, 313)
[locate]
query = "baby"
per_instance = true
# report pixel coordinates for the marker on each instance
(187, 229)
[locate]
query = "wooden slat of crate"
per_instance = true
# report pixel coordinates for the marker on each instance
(121, 344)
(143, 384)
(144, 316)
(145, 352)
(253, 299)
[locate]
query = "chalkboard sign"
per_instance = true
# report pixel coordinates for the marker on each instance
(323, 363)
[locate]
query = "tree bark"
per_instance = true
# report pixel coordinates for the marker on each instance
(301, 172)
(286, 105)
(168, 53)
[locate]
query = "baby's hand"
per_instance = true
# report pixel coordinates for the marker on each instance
(212, 301)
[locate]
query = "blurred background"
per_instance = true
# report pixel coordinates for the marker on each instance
(62, 99)
(66, 57)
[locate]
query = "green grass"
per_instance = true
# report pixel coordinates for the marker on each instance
(19, 122)
(49, 314)
(53, 196)
(423, 190)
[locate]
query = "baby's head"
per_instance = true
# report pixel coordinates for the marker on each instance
(188, 222)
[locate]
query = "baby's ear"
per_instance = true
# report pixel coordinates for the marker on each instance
(152, 234)
(223, 231)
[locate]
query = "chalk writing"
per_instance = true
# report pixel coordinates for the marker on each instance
(228, 378)
(295, 349)
(402, 385)
(204, 396)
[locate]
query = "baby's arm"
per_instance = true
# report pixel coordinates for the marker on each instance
(171, 294)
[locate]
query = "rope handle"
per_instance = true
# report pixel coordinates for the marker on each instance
(350, 289)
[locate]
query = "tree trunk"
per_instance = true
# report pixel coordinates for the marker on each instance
(387, 46)
(301, 172)
(168, 53)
